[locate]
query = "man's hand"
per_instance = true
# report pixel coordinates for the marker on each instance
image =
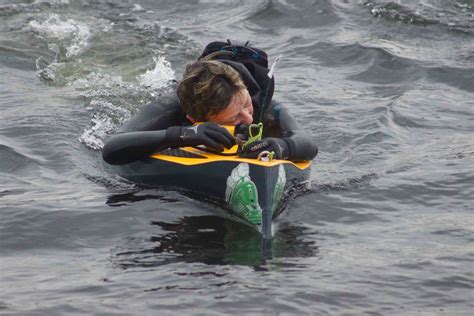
(209, 134)
(277, 145)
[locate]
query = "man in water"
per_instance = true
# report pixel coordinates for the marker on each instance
(221, 88)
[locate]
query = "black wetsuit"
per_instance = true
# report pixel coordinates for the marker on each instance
(146, 132)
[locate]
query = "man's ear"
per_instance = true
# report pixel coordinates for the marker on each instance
(191, 119)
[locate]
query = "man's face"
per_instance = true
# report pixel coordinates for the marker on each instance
(239, 110)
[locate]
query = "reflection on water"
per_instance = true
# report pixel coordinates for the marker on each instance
(131, 197)
(215, 240)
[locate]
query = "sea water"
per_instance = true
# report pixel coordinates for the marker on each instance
(386, 88)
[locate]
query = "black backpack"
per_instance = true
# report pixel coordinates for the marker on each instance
(240, 53)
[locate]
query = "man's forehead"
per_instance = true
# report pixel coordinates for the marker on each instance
(235, 106)
(237, 103)
(240, 97)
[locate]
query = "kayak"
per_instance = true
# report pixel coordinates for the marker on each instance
(254, 190)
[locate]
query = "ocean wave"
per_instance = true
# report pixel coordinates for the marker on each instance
(297, 14)
(66, 37)
(12, 9)
(456, 15)
(398, 12)
(344, 182)
(16, 163)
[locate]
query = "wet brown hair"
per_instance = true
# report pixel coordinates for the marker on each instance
(207, 88)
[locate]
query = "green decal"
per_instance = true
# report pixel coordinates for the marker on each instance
(242, 196)
(279, 188)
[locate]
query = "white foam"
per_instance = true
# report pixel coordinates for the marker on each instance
(106, 118)
(50, 72)
(97, 85)
(71, 34)
(93, 137)
(159, 77)
(113, 100)
(137, 8)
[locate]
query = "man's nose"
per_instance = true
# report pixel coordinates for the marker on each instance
(246, 117)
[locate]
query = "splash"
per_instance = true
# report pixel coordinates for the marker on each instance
(112, 94)
(158, 77)
(113, 100)
(68, 35)
(110, 103)
(137, 8)
(105, 120)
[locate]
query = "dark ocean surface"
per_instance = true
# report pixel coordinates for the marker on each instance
(385, 87)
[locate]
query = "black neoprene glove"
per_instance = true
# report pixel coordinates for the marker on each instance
(209, 134)
(277, 145)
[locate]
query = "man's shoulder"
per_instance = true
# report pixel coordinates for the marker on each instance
(159, 114)
(164, 102)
